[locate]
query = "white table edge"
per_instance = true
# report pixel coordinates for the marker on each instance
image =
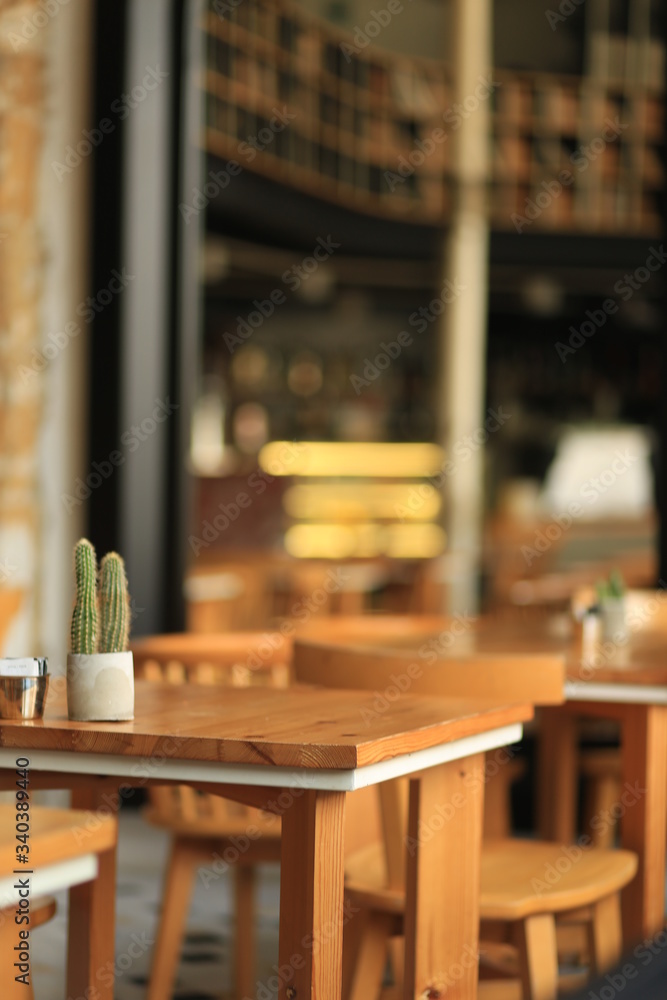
(143, 769)
(47, 880)
(617, 694)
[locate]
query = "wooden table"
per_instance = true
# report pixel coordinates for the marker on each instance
(296, 751)
(626, 683)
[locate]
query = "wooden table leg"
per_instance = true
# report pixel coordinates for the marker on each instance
(644, 821)
(91, 939)
(443, 881)
(557, 775)
(311, 898)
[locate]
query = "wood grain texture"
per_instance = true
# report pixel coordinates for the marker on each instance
(644, 823)
(296, 727)
(538, 678)
(538, 957)
(312, 916)
(55, 835)
(443, 881)
(643, 786)
(401, 639)
(41, 912)
(92, 917)
(518, 877)
(557, 775)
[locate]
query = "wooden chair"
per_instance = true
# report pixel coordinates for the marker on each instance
(227, 596)
(327, 588)
(58, 861)
(514, 890)
(206, 829)
(376, 874)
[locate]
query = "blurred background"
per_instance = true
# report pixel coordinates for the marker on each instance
(331, 297)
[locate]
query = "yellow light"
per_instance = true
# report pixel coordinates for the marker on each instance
(324, 541)
(362, 501)
(415, 541)
(365, 459)
(339, 541)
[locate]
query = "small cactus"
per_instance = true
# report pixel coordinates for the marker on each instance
(114, 605)
(83, 633)
(611, 589)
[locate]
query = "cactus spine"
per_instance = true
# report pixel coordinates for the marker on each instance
(83, 635)
(114, 605)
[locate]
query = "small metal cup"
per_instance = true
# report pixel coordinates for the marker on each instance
(23, 697)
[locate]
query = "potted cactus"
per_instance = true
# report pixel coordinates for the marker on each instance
(611, 601)
(100, 670)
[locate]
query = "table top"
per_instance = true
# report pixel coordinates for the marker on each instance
(636, 668)
(298, 727)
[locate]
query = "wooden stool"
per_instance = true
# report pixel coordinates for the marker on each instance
(41, 912)
(523, 883)
(59, 860)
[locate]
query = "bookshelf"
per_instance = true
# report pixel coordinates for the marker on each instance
(292, 98)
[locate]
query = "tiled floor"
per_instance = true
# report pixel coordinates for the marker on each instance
(205, 966)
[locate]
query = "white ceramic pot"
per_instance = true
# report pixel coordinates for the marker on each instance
(613, 619)
(100, 687)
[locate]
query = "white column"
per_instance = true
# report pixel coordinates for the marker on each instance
(64, 220)
(463, 331)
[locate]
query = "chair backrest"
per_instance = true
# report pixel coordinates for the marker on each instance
(227, 596)
(319, 587)
(235, 659)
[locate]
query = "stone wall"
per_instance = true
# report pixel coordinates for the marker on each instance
(21, 281)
